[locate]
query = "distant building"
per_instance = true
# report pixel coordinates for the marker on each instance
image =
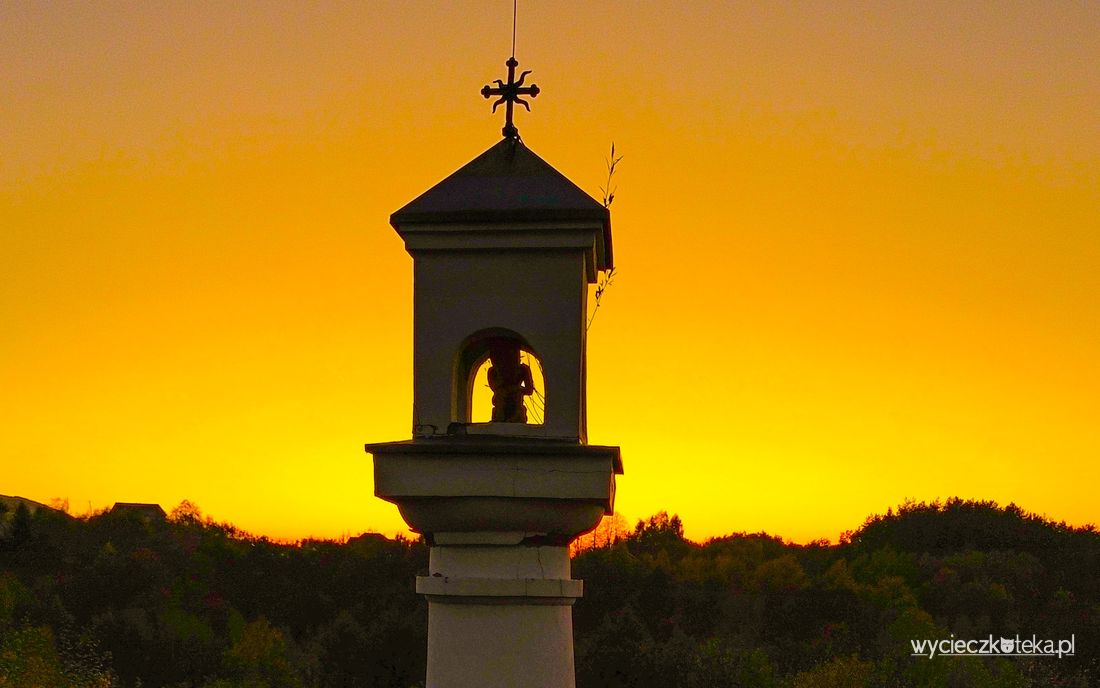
(12, 503)
(149, 512)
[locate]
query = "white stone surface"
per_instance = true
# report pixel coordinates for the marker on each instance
(498, 613)
(499, 562)
(559, 490)
(574, 477)
(539, 295)
(500, 646)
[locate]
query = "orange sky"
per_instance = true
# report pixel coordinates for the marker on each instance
(857, 244)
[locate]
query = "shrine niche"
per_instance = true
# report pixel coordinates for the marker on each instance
(499, 379)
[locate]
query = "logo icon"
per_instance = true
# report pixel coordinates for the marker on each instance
(1008, 645)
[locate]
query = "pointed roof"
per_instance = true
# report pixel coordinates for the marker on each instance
(507, 183)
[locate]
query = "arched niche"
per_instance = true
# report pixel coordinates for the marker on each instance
(474, 398)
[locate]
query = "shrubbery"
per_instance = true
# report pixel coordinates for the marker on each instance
(120, 600)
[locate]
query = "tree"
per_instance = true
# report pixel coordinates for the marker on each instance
(20, 533)
(186, 512)
(260, 657)
(29, 657)
(659, 533)
(610, 530)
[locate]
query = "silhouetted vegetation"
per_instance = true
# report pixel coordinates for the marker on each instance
(751, 610)
(123, 600)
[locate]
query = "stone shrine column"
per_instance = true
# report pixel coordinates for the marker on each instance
(504, 252)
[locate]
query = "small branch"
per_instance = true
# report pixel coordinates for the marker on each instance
(608, 191)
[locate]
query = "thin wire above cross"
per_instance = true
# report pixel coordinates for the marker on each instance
(510, 93)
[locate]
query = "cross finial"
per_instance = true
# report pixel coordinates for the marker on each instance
(510, 93)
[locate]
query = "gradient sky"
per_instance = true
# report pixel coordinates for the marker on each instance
(857, 243)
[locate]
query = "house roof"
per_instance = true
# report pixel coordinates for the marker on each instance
(154, 510)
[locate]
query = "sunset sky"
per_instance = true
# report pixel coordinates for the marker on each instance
(858, 248)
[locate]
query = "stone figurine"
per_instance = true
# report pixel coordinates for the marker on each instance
(510, 381)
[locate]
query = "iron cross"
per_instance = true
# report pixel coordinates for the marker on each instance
(510, 93)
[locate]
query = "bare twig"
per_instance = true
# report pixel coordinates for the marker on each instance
(609, 190)
(608, 198)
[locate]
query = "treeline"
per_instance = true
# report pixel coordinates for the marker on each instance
(120, 599)
(126, 600)
(751, 610)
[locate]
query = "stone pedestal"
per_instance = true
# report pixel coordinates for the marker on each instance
(499, 514)
(499, 616)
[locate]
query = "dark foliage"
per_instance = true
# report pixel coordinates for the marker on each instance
(190, 603)
(750, 610)
(125, 600)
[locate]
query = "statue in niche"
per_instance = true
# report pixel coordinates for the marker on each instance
(510, 381)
